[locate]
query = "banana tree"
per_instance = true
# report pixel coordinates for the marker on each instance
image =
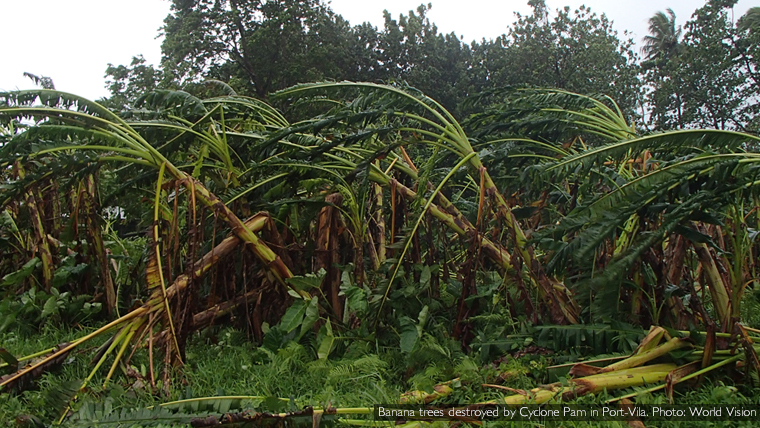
(631, 202)
(64, 126)
(387, 118)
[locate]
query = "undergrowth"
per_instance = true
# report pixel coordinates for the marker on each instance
(222, 362)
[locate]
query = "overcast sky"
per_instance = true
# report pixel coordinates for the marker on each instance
(73, 41)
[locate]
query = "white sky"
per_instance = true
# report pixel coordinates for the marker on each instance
(73, 41)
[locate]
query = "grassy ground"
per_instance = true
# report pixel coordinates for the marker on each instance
(223, 362)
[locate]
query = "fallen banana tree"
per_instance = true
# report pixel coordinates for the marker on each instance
(585, 378)
(493, 240)
(79, 125)
(431, 124)
(139, 322)
(633, 371)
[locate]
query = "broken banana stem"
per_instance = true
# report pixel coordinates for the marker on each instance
(417, 397)
(625, 378)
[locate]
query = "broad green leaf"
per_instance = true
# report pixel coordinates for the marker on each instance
(50, 308)
(425, 277)
(294, 316)
(21, 274)
(695, 236)
(8, 321)
(312, 315)
(408, 335)
(357, 299)
(327, 342)
(274, 405)
(422, 320)
(307, 282)
(7, 221)
(345, 279)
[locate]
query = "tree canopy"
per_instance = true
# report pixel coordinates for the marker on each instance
(708, 77)
(702, 75)
(257, 47)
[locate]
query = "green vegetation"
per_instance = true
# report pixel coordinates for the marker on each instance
(343, 244)
(223, 363)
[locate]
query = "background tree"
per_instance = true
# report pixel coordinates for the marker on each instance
(709, 79)
(411, 49)
(127, 83)
(664, 36)
(705, 75)
(576, 51)
(748, 49)
(711, 70)
(750, 20)
(660, 70)
(257, 46)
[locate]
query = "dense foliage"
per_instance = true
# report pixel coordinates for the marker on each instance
(704, 75)
(373, 222)
(260, 47)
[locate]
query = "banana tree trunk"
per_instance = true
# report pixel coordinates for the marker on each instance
(627, 378)
(272, 262)
(563, 307)
(380, 223)
(40, 236)
(96, 240)
(143, 313)
(718, 289)
(327, 251)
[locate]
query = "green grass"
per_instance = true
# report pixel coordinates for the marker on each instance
(223, 362)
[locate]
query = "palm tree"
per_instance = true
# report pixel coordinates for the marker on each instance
(662, 41)
(750, 20)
